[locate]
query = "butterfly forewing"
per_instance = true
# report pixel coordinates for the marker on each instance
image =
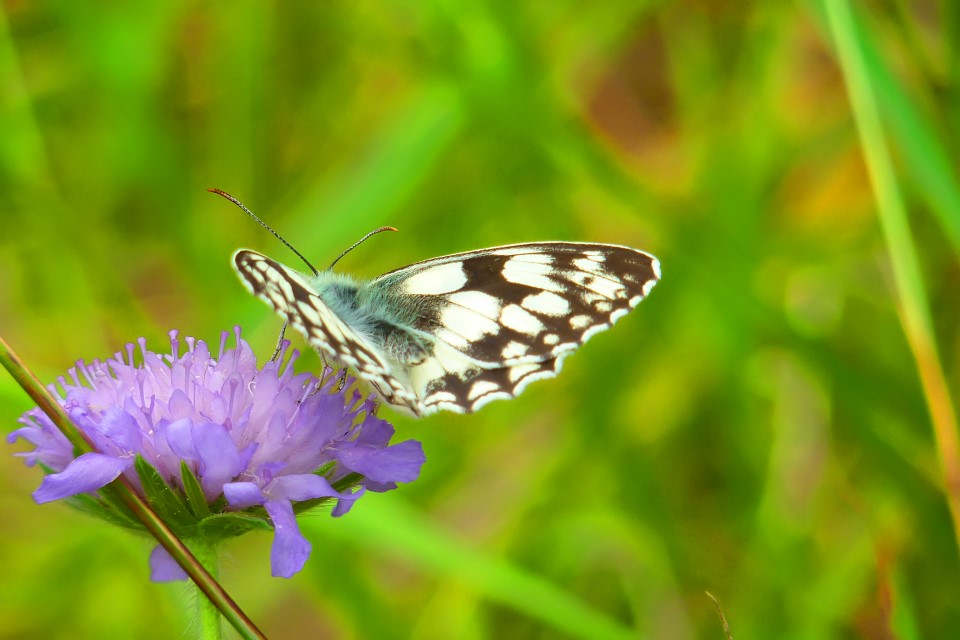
(489, 321)
(525, 303)
(513, 313)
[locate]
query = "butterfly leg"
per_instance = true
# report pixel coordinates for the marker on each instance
(276, 351)
(341, 383)
(326, 368)
(316, 387)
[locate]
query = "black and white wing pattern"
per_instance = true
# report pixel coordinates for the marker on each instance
(296, 299)
(503, 317)
(459, 331)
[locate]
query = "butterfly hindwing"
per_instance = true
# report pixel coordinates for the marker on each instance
(458, 331)
(469, 386)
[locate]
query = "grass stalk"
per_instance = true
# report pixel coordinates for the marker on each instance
(913, 303)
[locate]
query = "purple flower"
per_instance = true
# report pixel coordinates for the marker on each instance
(256, 445)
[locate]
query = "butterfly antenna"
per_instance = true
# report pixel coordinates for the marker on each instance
(263, 224)
(358, 243)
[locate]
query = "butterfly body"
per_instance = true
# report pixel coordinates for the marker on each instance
(458, 331)
(383, 319)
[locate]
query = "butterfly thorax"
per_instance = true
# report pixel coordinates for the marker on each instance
(383, 318)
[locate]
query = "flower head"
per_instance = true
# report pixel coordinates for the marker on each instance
(238, 446)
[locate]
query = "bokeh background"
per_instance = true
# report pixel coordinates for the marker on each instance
(755, 429)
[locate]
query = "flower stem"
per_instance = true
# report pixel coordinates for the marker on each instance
(121, 490)
(207, 613)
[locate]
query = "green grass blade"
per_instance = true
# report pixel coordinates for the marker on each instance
(915, 308)
(925, 159)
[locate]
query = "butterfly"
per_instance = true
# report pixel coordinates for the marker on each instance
(459, 331)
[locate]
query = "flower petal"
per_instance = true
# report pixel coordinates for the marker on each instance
(290, 550)
(179, 437)
(397, 463)
(179, 406)
(87, 473)
(345, 503)
(218, 455)
(31, 434)
(163, 568)
(307, 486)
(52, 447)
(376, 432)
(120, 429)
(302, 486)
(243, 494)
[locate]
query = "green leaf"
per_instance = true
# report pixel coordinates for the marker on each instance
(326, 468)
(112, 513)
(229, 525)
(195, 498)
(347, 481)
(168, 504)
(307, 505)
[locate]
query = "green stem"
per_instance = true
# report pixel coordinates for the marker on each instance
(914, 306)
(122, 491)
(208, 615)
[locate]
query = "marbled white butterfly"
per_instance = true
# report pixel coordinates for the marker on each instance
(458, 331)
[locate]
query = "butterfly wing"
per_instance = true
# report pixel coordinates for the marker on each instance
(501, 318)
(296, 301)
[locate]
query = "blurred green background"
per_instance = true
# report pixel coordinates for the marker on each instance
(755, 429)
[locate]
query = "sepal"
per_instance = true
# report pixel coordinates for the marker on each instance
(228, 525)
(195, 498)
(113, 512)
(170, 505)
